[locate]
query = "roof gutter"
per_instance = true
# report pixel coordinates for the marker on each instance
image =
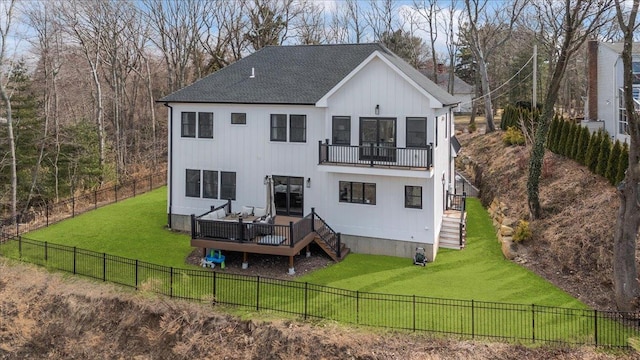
(170, 180)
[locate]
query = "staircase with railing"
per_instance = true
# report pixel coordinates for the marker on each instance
(328, 239)
(453, 227)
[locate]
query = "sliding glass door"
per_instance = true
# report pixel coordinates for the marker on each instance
(378, 139)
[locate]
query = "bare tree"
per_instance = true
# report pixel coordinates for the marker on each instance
(450, 25)
(625, 274)
(224, 29)
(269, 22)
(380, 16)
(430, 11)
(309, 26)
(88, 30)
(177, 30)
(490, 26)
(355, 20)
(6, 18)
(579, 19)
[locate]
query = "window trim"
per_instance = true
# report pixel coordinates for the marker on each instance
(223, 186)
(188, 124)
(272, 127)
(188, 182)
(408, 196)
(304, 128)
(243, 118)
(347, 196)
(416, 118)
(200, 136)
(334, 130)
(216, 183)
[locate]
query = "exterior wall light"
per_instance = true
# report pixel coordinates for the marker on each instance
(377, 109)
(308, 182)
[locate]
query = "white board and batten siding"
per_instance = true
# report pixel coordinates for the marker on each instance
(246, 150)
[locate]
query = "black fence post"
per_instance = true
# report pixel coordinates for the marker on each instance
(214, 286)
(73, 206)
(306, 298)
(136, 274)
(339, 246)
(171, 281)
(193, 226)
(414, 313)
(473, 319)
(371, 154)
(17, 226)
(46, 212)
(319, 151)
(104, 267)
(46, 251)
(257, 292)
(75, 251)
(533, 322)
(595, 327)
(19, 246)
(357, 307)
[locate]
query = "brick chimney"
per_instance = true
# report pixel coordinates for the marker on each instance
(592, 80)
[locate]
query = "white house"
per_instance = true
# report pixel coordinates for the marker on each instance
(350, 131)
(604, 107)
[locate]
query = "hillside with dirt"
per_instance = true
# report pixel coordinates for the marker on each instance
(54, 316)
(572, 245)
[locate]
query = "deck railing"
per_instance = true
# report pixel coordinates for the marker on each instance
(326, 233)
(376, 155)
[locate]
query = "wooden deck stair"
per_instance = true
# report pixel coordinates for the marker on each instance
(329, 240)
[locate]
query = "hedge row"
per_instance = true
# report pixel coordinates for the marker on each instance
(513, 114)
(595, 151)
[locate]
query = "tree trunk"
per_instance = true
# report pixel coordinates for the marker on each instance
(12, 150)
(486, 91)
(625, 273)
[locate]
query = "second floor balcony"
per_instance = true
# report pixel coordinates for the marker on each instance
(376, 156)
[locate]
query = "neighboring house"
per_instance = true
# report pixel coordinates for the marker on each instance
(462, 92)
(604, 107)
(351, 134)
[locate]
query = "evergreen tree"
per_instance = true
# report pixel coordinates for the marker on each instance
(612, 164)
(603, 156)
(568, 146)
(564, 136)
(591, 160)
(552, 133)
(556, 139)
(623, 163)
(583, 145)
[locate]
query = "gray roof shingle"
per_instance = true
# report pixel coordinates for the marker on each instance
(300, 74)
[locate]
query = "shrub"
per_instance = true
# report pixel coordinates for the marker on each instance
(591, 160)
(623, 163)
(513, 136)
(522, 231)
(612, 164)
(571, 136)
(583, 145)
(472, 127)
(558, 135)
(603, 156)
(564, 136)
(553, 128)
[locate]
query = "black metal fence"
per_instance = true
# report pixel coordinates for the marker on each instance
(465, 318)
(42, 216)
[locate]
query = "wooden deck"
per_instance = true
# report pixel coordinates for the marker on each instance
(253, 246)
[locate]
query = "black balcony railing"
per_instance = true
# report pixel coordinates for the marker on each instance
(376, 155)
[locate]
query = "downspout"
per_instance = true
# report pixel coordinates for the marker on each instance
(170, 180)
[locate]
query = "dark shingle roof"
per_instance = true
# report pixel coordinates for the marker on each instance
(300, 74)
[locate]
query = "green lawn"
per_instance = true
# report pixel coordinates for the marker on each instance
(352, 291)
(134, 228)
(479, 272)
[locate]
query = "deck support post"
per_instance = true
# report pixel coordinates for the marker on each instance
(292, 271)
(245, 261)
(308, 251)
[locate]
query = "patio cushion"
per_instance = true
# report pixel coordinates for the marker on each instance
(246, 211)
(221, 214)
(259, 212)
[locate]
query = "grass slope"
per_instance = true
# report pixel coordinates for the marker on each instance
(478, 272)
(134, 228)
